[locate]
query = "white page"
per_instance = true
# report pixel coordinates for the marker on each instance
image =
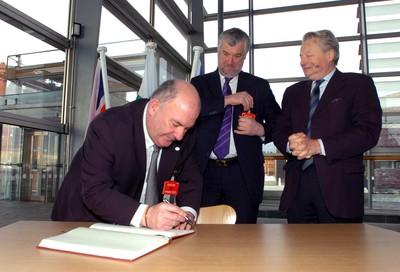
(119, 245)
(168, 233)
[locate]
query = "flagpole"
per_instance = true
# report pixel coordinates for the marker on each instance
(149, 81)
(196, 58)
(151, 45)
(102, 50)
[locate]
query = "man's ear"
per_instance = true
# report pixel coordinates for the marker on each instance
(154, 106)
(331, 55)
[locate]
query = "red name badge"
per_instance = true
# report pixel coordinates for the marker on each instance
(249, 114)
(170, 187)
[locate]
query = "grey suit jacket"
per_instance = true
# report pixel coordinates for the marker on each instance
(106, 177)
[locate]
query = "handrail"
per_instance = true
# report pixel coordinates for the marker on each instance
(382, 157)
(366, 157)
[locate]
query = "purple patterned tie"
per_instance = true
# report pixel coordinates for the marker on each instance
(221, 148)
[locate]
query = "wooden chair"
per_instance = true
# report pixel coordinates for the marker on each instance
(219, 214)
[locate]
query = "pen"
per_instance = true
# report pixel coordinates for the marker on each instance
(187, 219)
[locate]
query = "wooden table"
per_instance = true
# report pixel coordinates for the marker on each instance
(262, 247)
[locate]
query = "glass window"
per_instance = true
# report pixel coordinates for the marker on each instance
(262, 4)
(385, 186)
(270, 28)
(383, 17)
(182, 4)
(31, 164)
(350, 58)
(169, 32)
(211, 33)
(211, 29)
(143, 7)
(279, 62)
(124, 47)
(388, 87)
(211, 62)
(19, 42)
(383, 53)
(34, 73)
(230, 5)
(121, 42)
(240, 22)
(48, 12)
(284, 62)
(279, 89)
(120, 93)
(210, 6)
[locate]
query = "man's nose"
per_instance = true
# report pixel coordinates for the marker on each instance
(179, 133)
(230, 60)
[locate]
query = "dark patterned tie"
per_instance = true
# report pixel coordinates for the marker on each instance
(313, 105)
(221, 148)
(151, 197)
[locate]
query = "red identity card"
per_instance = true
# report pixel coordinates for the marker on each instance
(170, 187)
(251, 115)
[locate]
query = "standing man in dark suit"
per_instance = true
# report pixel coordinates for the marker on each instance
(346, 123)
(106, 180)
(235, 178)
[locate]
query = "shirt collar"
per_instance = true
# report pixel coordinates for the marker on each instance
(149, 142)
(327, 77)
(222, 79)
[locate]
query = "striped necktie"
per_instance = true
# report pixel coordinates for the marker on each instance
(313, 105)
(221, 148)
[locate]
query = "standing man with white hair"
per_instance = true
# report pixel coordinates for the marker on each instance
(327, 123)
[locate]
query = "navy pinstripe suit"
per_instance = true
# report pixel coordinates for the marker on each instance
(248, 173)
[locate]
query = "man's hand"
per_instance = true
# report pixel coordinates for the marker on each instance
(166, 216)
(249, 126)
(302, 146)
(187, 225)
(240, 98)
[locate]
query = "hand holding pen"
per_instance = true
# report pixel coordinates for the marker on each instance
(187, 219)
(165, 216)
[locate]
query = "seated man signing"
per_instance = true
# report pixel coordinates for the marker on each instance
(107, 179)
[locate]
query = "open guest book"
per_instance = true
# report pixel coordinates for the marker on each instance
(112, 241)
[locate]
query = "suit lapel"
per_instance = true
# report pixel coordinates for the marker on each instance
(335, 85)
(215, 81)
(302, 102)
(169, 157)
(237, 110)
(138, 137)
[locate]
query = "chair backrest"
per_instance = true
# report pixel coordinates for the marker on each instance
(219, 214)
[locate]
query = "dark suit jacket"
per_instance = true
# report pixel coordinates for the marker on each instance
(348, 119)
(106, 177)
(249, 148)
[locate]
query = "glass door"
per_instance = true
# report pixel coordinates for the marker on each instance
(10, 162)
(30, 161)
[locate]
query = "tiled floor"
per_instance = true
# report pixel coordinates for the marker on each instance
(13, 211)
